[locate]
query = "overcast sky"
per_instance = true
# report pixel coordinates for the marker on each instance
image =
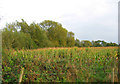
(88, 19)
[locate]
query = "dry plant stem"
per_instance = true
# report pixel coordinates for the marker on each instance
(113, 76)
(21, 74)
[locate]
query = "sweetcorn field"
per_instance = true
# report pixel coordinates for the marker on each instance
(95, 64)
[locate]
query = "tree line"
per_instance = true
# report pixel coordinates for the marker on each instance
(48, 33)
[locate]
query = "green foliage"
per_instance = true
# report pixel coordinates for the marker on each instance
(45, 34)
(85, 43)
(48, 33)
(38, 35)
(17, 40)
(70, 39)
(23, 26)
(60, 65)
(77, 42)
(55, 32)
